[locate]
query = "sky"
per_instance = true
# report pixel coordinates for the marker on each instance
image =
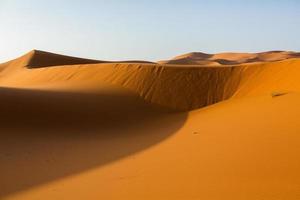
(147, 30)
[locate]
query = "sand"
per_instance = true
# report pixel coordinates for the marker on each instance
(86, 129)
(198, 58)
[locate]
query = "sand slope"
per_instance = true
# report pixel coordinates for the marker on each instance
(85, 130)
(179, 87)
(244, 149)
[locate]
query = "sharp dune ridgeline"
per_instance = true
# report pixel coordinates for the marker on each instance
(199, 126)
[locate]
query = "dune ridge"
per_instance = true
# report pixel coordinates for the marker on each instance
(181, 87)
(157, 84)
(39, 59)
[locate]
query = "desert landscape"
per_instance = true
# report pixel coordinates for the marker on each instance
(198, 126)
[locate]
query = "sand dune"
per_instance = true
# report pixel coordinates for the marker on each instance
(179, 87)
(38, 59)
(200, 126)
(198, 58)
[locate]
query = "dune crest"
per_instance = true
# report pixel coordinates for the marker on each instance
(39, 59)
(180, 87)
(176, 86)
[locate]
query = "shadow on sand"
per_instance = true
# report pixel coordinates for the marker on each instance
(48, 135)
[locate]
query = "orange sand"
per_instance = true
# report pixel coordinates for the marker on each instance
(197, 58)
(81, 129)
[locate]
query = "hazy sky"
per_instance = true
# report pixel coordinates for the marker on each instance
(149, 30)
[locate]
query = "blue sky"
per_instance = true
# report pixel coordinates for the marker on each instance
(148, 30)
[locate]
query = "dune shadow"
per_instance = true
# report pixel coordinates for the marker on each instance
(48, 135)
(226, 62)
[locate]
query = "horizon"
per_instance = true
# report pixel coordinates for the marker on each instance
(139, 30)
(39, 50)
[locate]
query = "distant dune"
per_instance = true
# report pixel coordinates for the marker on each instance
(199, 126)
(198, 58)
(38, 59)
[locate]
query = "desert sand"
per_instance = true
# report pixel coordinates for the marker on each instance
(200, 126)
(229, 58)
